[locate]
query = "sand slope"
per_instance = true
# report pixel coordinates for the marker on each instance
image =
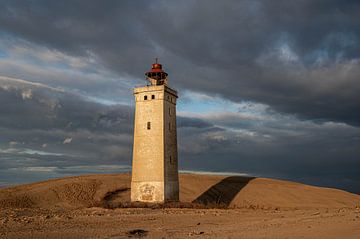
(83, 207)
(233, 192)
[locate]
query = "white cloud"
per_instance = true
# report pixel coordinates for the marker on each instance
(215, 173)
(286, 54)
(24, 151)
(9, 83)
(13, 143)
(67, 141)
(26, 94)
(40, 169)
(98, 167)
(39, 152)
(77, 168)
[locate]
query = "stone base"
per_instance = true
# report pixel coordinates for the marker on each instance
(152, 192)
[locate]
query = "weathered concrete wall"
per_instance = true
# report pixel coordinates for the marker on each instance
(170, 148)
(155, 166)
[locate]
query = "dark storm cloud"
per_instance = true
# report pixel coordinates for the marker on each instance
(50, 108)
(305, 151)
(53, 133)
(46, 127)
(298, 57)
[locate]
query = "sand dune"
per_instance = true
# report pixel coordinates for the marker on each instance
(233, 192)
(217, 207)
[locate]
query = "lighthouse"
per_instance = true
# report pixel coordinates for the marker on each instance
(155, 158)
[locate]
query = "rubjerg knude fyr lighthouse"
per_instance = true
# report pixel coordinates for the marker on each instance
(155, 158)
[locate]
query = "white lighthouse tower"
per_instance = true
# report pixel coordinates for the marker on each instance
(155, 158)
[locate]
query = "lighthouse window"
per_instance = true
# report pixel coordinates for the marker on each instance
(145, 97)
(148, 125)
(152, 96)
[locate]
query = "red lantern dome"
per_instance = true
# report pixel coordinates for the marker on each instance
(156, 74)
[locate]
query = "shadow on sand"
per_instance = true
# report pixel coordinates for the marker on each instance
(222, 193)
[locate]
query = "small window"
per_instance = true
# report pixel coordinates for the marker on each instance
(145, 97)
(148, 125)
(169, 111)
(171, 161)
(169, 126)
(152, 97)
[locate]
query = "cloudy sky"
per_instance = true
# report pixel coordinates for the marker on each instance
(267, 88)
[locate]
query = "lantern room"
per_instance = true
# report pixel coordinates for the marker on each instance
(156, 76)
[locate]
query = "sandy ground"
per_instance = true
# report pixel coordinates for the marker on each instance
(232, 207)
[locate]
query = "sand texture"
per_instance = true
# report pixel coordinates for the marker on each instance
(97, 206)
